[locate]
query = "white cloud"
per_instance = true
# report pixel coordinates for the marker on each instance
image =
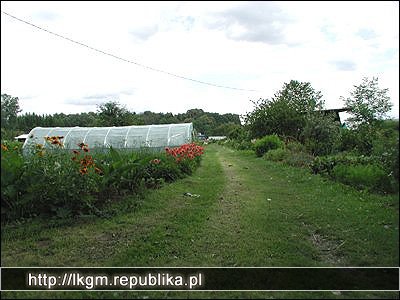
(256, 45)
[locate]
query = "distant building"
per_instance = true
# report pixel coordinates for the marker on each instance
(202, 137)
(21, 138)
(216, 138)
(335, 112)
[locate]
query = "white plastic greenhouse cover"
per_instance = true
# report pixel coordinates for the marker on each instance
(129, 137)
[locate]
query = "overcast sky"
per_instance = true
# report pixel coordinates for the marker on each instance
(243, 45)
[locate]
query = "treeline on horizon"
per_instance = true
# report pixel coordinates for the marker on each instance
(111, 113)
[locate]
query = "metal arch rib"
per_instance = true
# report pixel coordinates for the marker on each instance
(147, 136)
(47, 134)
(105, 138)
(65, 138)
(84, 139)
(169, 132)
(126, 136)
(188, 134)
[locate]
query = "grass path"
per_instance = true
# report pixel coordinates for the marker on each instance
(250, 213)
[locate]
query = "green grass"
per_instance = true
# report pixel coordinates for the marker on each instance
(251, 212)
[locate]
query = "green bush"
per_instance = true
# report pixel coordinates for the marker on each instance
(365, 138)
(385, 148)
(167, 169)
(321, 134)
(294, 146)
(363, 172)
(299, 159)
(325, 164)
(12, 164)
(371, 177)
(245, 145)
(237, 144)
(238, 133)
(267, 143)
(293, 154)
(349, 140)
(279, 154)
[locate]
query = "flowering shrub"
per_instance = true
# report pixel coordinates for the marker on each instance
(187, 151)
(86, 162)
(51, 181)
(186, 156)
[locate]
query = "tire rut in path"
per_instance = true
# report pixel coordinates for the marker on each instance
(222, 230)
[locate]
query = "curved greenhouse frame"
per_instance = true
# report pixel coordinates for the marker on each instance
(124, 137)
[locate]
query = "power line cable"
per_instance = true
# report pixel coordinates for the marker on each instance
(124, 59)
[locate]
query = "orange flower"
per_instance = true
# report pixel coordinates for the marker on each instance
(4, 147)
(87, 161)
(76, 152)
(82, 145)
(98, 171)
(54, 140)
(83, 171)
(85, 149)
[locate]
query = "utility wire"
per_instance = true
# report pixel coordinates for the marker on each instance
(123, 59)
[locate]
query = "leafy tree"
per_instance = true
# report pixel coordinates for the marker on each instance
(369, 105)
(238, 133)
(194, 113)
(204, 124)
(300, 96)
(168, 118)
(286, 113)
(112, 114)
(368, 102)
(9, 110)
(133, 119)
(225, 128)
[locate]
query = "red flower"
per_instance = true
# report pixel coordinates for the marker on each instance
(155, 161)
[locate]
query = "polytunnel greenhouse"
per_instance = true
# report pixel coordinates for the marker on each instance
(124, 137)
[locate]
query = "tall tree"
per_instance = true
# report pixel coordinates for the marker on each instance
(204, 124)
(112, 113)
(9, 110)
(368, 102)
(286, 113)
